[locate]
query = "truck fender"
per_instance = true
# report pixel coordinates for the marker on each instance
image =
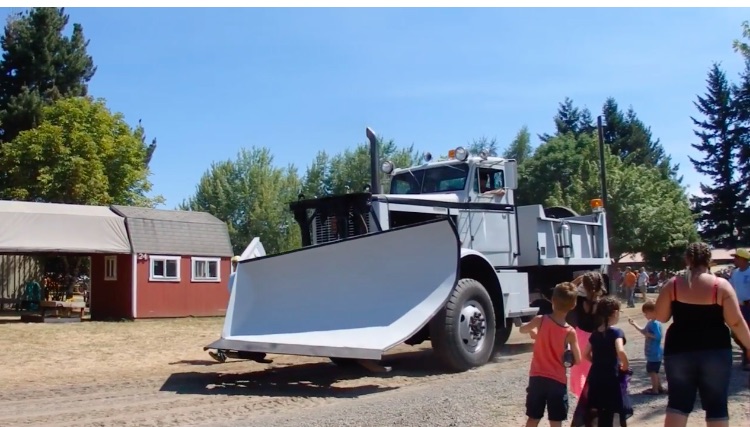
(476, 266)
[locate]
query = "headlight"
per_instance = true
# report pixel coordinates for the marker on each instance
(461, 154)
(387, 167)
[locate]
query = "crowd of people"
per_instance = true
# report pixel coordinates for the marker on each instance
(581, 335)
(628, 282)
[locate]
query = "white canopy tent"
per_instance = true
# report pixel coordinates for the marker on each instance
(27, 227)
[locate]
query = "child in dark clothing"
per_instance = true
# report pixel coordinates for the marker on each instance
(548, 381)
(605, 393)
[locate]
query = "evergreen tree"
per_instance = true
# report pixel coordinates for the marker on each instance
(719, 209)
(39, 65)
(742, 130)
(483, 143)
(631, 140)
(570, 119)
(742, 46)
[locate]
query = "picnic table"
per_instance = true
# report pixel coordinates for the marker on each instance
(62, 308)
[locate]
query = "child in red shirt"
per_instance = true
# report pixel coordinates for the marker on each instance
(548, 380)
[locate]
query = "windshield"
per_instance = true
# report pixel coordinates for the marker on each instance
(431, 180)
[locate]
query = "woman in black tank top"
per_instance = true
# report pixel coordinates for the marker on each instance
(698, 346)
(584, 319)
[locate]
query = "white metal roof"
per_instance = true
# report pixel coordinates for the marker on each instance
(27, 227)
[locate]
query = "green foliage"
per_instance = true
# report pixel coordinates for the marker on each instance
(645, 210)
(350, 171)
(252, 196)
(741, 94)
(520, 148)
(631, 140)
(483, 144)
(742, 46)
(718, 210)
(39, 65)
(723, 131)
(570, 119)
(79, 153)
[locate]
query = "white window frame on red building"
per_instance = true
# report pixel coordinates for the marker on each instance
(110, 268)
(207, 260)
(164, 258)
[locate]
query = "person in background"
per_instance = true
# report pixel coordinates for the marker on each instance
(643, 282)
(617, 280)
(629, 284)
(486, 188)
(547, 375)
(740, 280)
(698, 347)
(652, 346)
(230, 282)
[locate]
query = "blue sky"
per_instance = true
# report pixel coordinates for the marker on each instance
(207, 82)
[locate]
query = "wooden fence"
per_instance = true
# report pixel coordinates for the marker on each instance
(15, 270)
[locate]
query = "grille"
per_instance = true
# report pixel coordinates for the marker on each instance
(325, 229)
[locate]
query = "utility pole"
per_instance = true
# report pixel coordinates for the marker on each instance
(603, 179)
(602, 166)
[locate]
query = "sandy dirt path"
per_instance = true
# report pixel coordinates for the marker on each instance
(155, 373)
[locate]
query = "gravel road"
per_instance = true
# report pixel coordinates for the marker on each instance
(491, 395)
(156, 374)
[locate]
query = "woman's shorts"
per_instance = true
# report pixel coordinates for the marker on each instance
(706, 373)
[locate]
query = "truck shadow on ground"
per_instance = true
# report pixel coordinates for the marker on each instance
(514, 349)
(319, 379)
(738, 390)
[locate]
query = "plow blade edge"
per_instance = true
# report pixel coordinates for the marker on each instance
(354, 298)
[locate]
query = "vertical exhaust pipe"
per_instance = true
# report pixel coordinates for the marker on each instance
(374, 161)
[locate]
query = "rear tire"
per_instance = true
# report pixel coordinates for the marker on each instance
(463, 332)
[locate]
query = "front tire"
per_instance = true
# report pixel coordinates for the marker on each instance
(463, 332)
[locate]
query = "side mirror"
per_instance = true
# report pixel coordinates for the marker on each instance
(511, 174)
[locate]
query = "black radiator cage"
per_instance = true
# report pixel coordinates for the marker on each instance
(332, 218)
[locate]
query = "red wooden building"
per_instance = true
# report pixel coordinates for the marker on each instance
(179, 266)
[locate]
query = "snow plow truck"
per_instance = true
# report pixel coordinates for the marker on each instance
(445, 255)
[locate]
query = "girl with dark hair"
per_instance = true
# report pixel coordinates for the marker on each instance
(698, 346)
(584, 319)
(606, 391)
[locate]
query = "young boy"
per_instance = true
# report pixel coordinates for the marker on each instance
(652, 348)
(548, 380)
(544, 304)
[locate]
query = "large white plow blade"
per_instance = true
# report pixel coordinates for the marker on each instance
(355, 298)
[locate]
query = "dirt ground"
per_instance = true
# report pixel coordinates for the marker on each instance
(155, 373)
